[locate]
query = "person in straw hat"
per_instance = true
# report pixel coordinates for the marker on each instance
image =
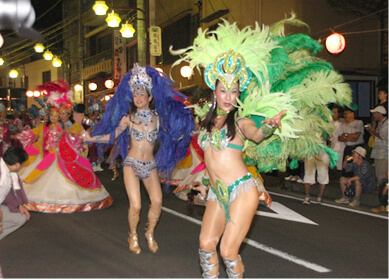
(362, 180)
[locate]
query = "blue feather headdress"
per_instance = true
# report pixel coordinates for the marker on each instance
(176, 122)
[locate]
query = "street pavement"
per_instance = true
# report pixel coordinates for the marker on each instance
(288, 240)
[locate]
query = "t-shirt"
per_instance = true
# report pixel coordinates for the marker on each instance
(351, 128)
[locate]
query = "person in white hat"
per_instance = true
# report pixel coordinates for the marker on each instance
(362, 179)
(380, 146)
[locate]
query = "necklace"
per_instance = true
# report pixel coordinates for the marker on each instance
(221, 112)
(144, 116)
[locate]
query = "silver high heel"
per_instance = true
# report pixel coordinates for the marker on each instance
(206, 266)
(230, 266)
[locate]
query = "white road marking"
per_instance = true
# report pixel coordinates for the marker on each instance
(288, 257)
(284, 213)
(278, 253)
(334, 206)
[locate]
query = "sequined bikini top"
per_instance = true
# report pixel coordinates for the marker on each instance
(150, 136)
(217, 139)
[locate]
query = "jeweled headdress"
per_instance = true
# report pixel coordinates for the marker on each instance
(229, 54)
(229, 67)
(140, 79)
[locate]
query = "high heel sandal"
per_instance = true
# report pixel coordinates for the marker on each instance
(115, 174)
(133, 244)
(206, 266)
(230, 266)
(149, 234)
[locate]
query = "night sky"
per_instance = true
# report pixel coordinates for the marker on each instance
(40, 7)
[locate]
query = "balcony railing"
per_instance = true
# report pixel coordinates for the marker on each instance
(104, 55)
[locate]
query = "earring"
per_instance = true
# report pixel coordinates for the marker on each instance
(213, 102)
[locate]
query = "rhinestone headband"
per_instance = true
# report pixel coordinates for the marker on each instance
(140, 79)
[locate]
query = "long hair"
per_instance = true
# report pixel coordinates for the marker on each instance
(209, 121)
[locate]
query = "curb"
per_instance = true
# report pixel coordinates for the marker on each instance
(331, 192)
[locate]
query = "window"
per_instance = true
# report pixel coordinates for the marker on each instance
(363, 96)
(177, 35)
(46, 76)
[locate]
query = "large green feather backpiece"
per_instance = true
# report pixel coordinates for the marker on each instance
(285, 75)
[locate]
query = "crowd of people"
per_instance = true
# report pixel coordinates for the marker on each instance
(256, 121)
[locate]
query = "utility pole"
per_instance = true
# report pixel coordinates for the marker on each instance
(152, 23)
(142, 32)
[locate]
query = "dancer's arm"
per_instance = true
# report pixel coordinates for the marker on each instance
(123, 124)
(251, 131)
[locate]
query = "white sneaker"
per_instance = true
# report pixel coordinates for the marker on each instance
(299, 180)
(343, 200)
(288, 177)
(307, 201)
(294, 178)
(354, 203)
(319, 200)
(99, 168)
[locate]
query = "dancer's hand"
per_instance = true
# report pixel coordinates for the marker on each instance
(275, 120)
(86, 136)
(201, 188)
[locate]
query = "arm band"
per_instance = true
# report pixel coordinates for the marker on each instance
(267, 130)
(205, 181)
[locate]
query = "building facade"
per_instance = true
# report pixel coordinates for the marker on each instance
(96, 53)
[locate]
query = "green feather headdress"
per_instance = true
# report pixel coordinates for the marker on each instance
(229, 54)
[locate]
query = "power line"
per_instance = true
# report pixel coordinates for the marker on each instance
(349, 22)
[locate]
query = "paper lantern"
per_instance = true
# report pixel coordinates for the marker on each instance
(335, 43)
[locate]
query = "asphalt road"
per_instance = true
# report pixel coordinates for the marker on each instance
(288, 240)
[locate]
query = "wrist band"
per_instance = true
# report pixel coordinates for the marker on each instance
(267, 130)
(98, 139)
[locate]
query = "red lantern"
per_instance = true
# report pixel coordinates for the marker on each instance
(335, 43)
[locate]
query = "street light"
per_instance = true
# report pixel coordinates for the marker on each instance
(39, 47)
(113, 19)
(127, 30)
(57, 62)
(48, 55)
(100, 8)
(1, 61)
(13, 73)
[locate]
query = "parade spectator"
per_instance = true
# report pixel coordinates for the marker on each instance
(319, 164)
(5, 133)
(337, 145)
(351, 132)
(380, 145)
(12, 195)
(382, 196)
(295, 174)
(362, 179)
(383, 97)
